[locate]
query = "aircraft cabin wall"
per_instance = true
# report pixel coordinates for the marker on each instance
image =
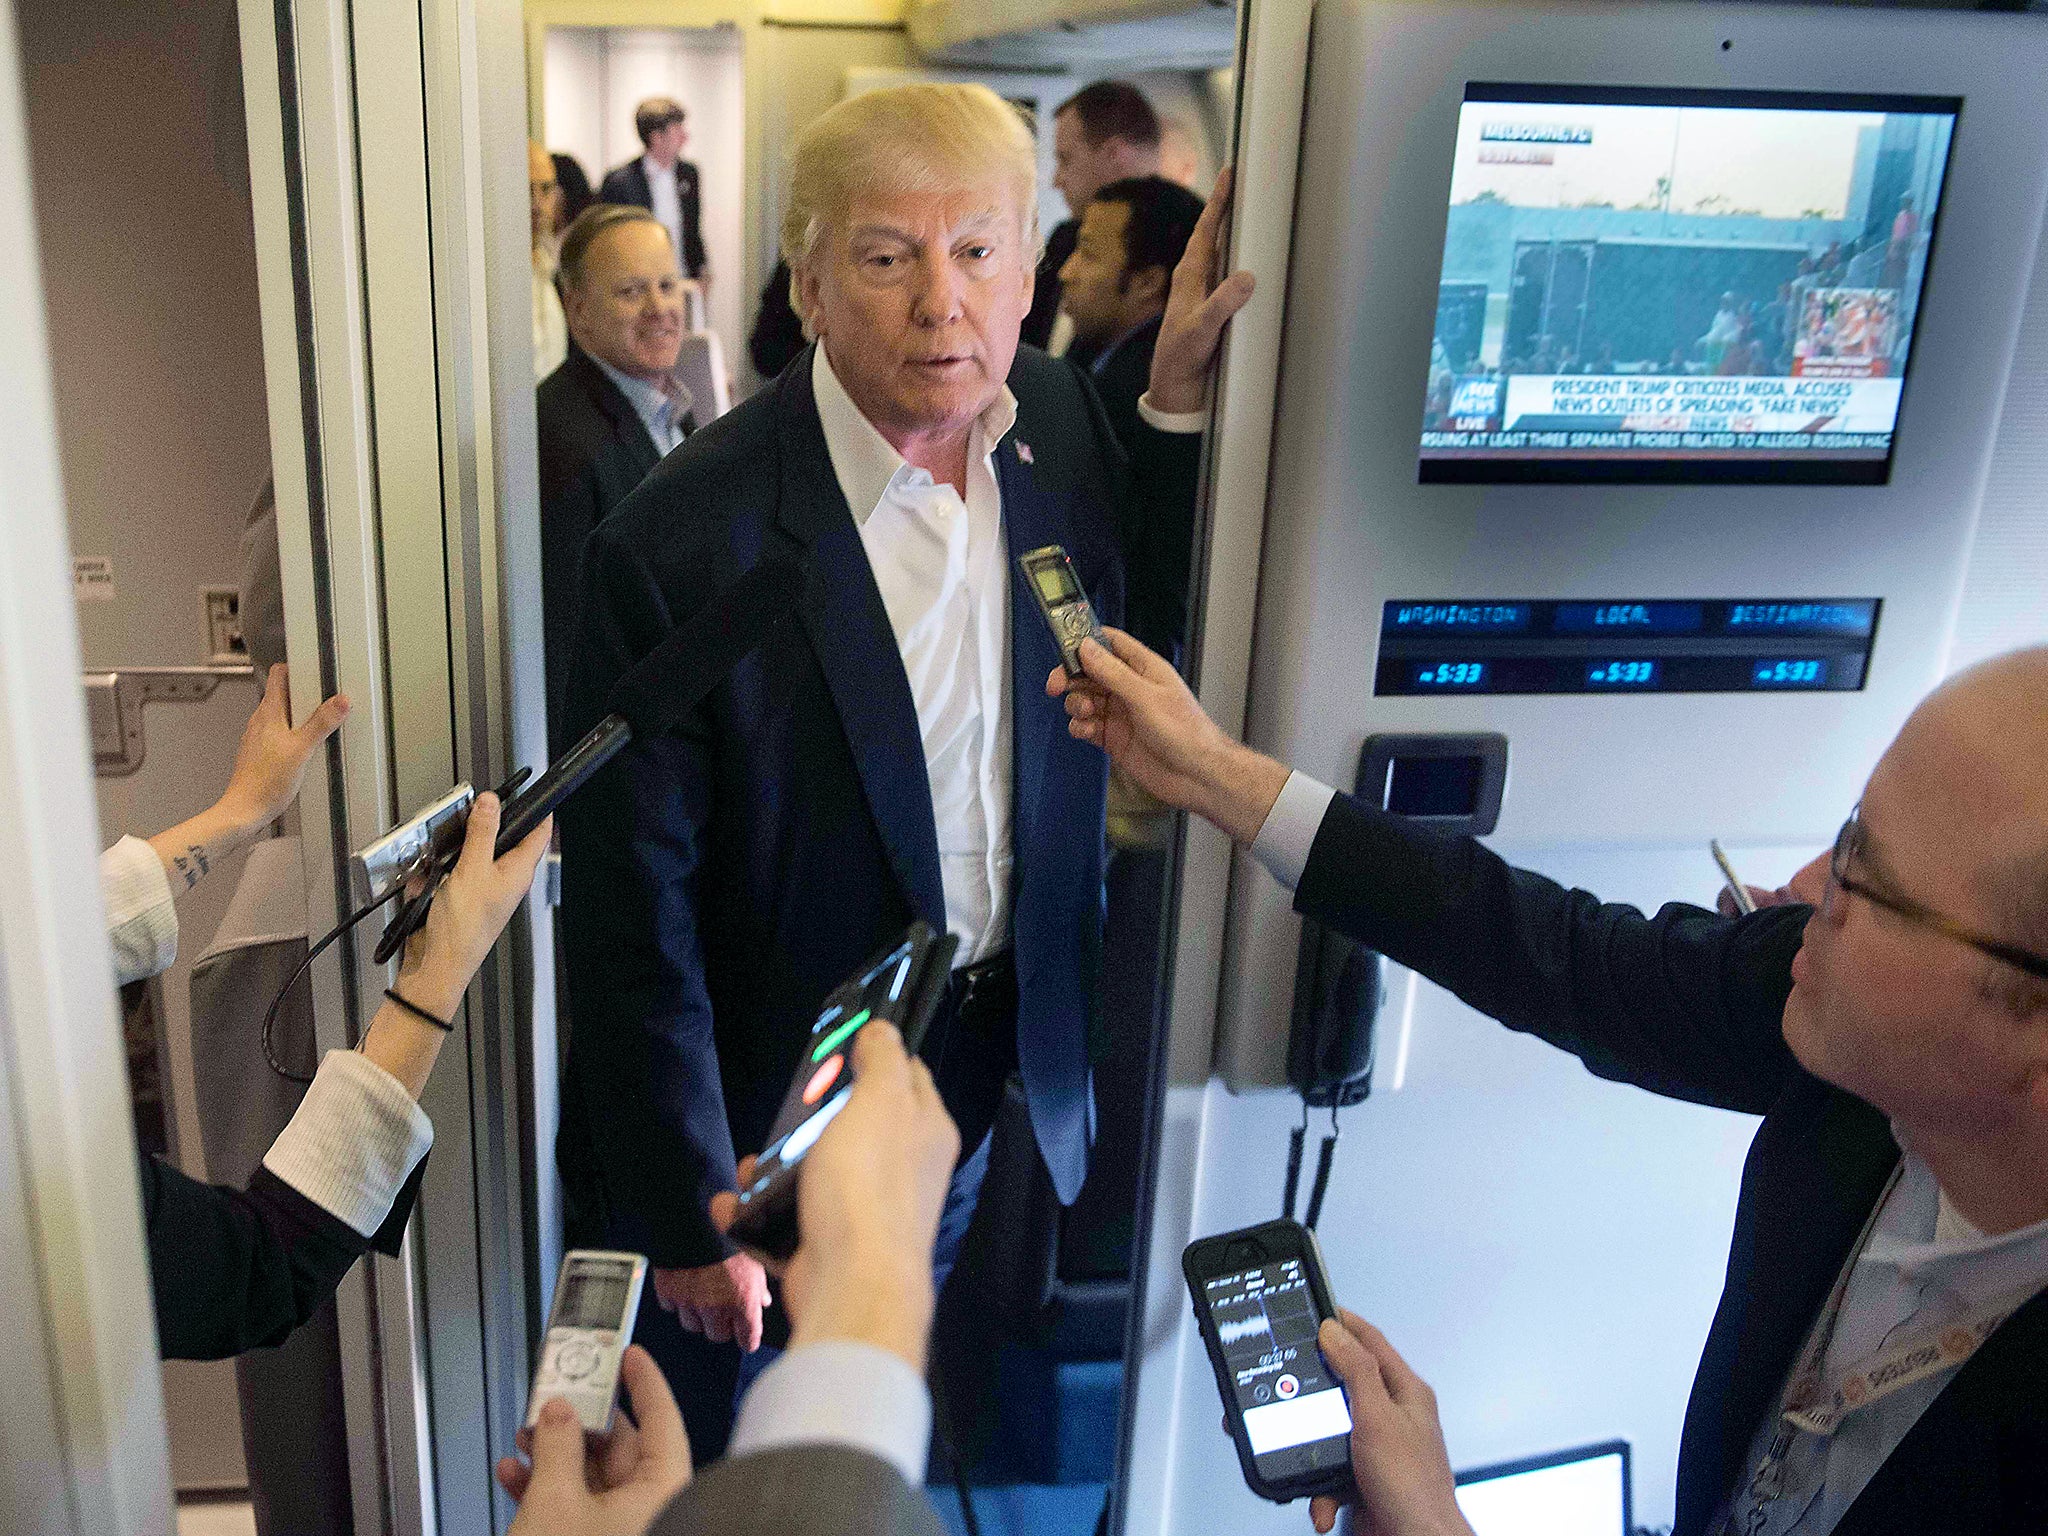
(1546, 1247)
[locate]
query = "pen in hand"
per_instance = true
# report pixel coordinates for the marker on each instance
(1743, 903)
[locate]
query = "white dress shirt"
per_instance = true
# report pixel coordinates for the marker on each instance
(943, 568)
(665, 200)
(1290, 828)
(839, 1392)
(661, 411)
(357, 1134)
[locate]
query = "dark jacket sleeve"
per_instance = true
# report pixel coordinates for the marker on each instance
(234, 1269)
(646, 1059)
(809, 1490)
(778, 334)
(1688, 1004)
(689, 193)
(1045, 295)
(571, 503)
(1156, 528)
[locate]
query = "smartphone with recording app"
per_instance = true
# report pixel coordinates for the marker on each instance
(597, 1296)
(902, 983)
(1260, 1296)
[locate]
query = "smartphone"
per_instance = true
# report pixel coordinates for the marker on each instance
(1260, 1295)
(902, 983)
(1069, 614)
(597, 1296)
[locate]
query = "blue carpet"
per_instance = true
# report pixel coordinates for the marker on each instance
(1025, 1509)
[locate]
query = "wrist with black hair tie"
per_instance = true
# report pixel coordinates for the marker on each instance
(420, 1013)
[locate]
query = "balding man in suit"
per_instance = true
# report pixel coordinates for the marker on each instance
(611, 410)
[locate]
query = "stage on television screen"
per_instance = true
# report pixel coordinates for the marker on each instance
(1680, 285)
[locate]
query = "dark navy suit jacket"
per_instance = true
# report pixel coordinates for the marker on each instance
(628, 184)
(593, 449)
(719, 881)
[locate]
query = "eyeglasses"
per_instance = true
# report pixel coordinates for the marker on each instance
(1850, 844)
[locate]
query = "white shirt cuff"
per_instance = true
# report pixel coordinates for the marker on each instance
(354, 1142)
(839, 1392)
(142, 919)
(1289, 830)
(1179, 422)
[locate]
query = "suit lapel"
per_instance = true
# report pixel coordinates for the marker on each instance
(617, 409)
(1811, 1197)
(856, 649)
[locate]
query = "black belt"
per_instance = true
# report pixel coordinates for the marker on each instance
(978, 992)
(980, 1005)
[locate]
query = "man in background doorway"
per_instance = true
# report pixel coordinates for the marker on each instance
(1115, 285)
(664, 183)
(544, 202)
(1106, 132)
(609, 413)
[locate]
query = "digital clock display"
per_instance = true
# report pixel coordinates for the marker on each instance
(1625, 645)
(1451, 674)
(1804, 673)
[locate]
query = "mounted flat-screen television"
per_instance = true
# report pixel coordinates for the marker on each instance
(1680, 285)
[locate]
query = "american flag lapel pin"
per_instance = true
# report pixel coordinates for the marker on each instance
(1023, 451)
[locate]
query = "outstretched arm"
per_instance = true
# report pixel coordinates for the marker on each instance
(233, 1269)
(1685, 1003)
(270, 764)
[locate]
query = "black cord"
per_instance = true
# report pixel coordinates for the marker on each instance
(1296, 1139)
(942, 1427)
(312, 954)
(1322, 1184)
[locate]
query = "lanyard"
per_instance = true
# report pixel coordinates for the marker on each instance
(1920, 1354)
(1815, 1406)
(1767, 1483)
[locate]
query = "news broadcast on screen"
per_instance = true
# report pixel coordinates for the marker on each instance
(1676, 285)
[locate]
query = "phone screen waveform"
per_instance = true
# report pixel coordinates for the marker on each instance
(1230, 1330)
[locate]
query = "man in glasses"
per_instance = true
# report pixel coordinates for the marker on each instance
(1879, 1361)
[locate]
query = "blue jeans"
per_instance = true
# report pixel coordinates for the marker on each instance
(958, 1211)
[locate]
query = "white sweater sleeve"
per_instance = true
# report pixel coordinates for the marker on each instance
(354, 1141)
(142, 919)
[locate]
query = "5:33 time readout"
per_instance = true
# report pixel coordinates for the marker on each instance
(1627, 645)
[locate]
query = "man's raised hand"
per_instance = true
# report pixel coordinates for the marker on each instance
(1199, 305)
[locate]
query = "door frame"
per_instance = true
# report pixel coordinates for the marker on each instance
(83, 1448)
(391, 242)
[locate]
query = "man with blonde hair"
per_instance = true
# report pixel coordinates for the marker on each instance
(893, 755)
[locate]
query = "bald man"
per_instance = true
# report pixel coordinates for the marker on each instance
(1879, 1362)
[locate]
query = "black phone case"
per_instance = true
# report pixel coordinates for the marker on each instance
(1195, 1268)
(767, 1224)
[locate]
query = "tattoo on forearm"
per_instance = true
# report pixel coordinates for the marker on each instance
(192, 864)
